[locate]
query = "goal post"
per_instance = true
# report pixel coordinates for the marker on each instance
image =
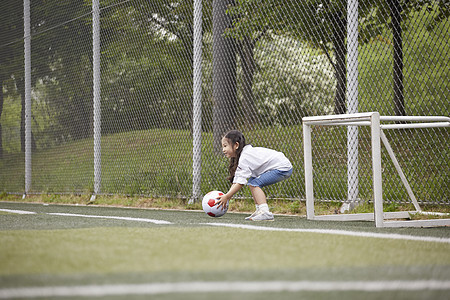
(377, 137)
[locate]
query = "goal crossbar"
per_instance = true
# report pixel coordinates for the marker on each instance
(372, 119)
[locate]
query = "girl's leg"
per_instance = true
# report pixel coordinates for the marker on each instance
(258, 195)
(260, 201)
(262, 212)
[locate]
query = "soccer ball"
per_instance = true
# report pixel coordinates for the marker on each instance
(209, 202)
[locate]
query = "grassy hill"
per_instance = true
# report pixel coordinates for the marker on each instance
(158, 163)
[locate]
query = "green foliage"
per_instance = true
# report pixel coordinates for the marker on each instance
(314, 19)
(147, 64)
(146, 83)
(10, 120)
(295, 207)
(292, 81)
(424, 81)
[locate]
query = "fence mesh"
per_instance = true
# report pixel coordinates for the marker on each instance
(265, 65)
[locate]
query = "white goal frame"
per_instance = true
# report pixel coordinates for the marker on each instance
(372, 119)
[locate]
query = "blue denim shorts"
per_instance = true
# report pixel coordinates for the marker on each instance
(268, 178)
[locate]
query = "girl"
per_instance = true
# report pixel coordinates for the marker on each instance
(260, 166)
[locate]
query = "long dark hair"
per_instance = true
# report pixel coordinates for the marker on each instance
(235, 136)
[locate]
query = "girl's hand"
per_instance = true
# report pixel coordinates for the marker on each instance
(223, 201)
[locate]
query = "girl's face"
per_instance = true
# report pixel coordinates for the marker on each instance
(229, 149)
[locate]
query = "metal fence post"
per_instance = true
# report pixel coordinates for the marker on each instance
(352, 92)
(97, 97)
(197, 103)
(27, 58)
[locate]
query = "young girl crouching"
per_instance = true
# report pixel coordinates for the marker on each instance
(256, 167)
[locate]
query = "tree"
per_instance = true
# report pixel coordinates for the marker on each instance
(396, 19)
(400, 10)
(224, 73)
(246, 49)
(52, 53)
(394, 15)
(61, 59)
(11, 48)
(147, 77)
(1, 111)
(321, 23)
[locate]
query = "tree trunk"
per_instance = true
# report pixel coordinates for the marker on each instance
(339, 35)
(21, 87)
(396, 18)
(224, 74)
(248, 72)
(1, 111)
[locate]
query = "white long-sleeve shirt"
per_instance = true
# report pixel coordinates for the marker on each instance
(255, 161)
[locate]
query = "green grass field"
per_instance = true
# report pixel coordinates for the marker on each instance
(98, 249)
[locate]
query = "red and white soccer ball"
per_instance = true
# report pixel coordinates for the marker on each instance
(209, 204)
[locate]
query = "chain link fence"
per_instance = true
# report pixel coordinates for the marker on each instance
(264, 64)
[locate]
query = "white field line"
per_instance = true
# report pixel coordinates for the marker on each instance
(159, 222)
(21, 212)
(339, 232)
(261, 228)
(221, 287)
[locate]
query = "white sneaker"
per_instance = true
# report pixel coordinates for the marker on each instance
(252, 215)
(262, 216)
